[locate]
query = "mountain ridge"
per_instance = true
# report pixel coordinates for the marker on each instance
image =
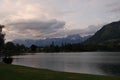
(105, 34)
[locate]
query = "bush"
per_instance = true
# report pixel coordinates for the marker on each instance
(7, 60)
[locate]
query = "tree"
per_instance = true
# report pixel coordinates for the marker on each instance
(2, 40)
(33, 48)
(10, 49)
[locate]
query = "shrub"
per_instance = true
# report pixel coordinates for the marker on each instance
(7, 60)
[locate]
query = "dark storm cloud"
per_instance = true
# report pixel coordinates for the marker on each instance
(38, 25)
(33, 29)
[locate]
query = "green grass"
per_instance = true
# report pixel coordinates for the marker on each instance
(13, 72)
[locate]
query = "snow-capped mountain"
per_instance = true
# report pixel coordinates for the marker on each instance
(72, 39)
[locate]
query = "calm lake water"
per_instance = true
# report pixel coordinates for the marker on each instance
(102, 63)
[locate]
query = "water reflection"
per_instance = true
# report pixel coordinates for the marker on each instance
(111, 69)
(91, 63)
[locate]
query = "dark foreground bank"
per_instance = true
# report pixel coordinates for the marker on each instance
(13, 72)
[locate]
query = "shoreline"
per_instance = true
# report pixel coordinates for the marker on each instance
(16, 72)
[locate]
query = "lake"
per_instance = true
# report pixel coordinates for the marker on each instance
(101, 63)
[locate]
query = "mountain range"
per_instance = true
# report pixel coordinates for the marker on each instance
(72, 39)
(108, 34)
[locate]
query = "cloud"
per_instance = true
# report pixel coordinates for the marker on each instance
(33, 29)
(115, 10)
(44, 29)
(55, 18)
(38, 25)
(90, 30)
(23, 10)
(114, 6)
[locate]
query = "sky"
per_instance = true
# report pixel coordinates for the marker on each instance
(36, 19)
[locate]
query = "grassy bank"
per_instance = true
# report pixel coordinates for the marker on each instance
(13, 72)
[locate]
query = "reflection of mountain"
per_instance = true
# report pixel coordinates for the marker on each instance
(110, 33)
(57, 41)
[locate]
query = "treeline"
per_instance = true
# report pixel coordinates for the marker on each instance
(16, 49)
(80, 48)
(12, 49)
